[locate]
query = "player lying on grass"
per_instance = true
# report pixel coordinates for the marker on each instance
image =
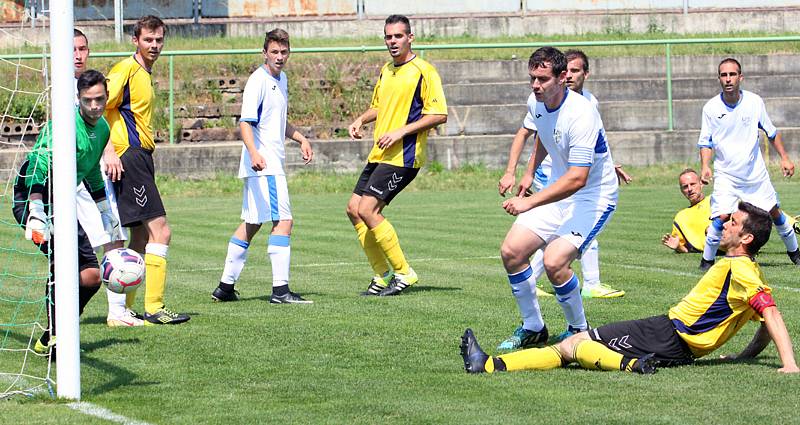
(730, 294)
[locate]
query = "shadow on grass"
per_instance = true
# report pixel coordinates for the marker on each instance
(717, 362)
(120, 376)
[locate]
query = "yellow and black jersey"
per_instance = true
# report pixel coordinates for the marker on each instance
(403, 94)
(690, 225)
(718, 306)
(130, 106)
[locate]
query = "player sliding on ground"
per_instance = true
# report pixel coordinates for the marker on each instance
(729, 295)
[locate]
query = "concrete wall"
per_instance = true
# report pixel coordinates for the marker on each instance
(87, 10)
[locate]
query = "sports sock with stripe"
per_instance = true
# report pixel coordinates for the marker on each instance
(234, 261)
(155, 263)
(786, 232)
(568, 295)
(387, 239)
(523, 287)
(713, 237)
(370, 246)
(279, 255)
(596, 356)
(532, 359)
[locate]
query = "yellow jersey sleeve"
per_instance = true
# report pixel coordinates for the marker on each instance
(433, 101)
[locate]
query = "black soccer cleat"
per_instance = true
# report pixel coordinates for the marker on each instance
(221, 295)
(376, 285)
(474, 357)
(794, 256)
(706, 264)
(163, 316)
(646, 365)
(289, 298)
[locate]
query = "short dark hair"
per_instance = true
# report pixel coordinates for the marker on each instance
(758, 224)
(577, 54)
(277, 35)
(91, 78)
(78, 33)
(729, 60)
(551, 55)
(395, 19)
(150, 22)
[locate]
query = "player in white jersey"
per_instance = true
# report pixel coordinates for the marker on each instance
(89, 216)
(730, 132)
(564, 217)
(265, 197)
(577, 71)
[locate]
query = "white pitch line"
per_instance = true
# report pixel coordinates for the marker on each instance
(412, 260)
(103, 413)
(677, 273)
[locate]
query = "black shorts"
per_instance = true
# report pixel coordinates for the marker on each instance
(384, 181)
(87, 259)
(138, 199)
(635, 338)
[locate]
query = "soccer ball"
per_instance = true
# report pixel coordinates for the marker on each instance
(122, 270)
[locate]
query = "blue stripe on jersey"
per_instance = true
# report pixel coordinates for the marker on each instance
(579, 164)
(568, 287)
(780, 220)
(596, 229)
(566, 93)
(601, 146)
(273, 198)
(258, 114)
(278, 240)
(521, 276)
(414, 115)
(760, 127)
(541, 177)
(581, 155)
(238, 242)
(716, 314)
(130, 120)
(250, 120)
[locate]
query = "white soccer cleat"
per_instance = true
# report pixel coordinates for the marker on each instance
(127, 318)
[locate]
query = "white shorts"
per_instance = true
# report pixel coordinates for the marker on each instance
(577, 221)
(265, 198)
(89, 216)
(727, 194)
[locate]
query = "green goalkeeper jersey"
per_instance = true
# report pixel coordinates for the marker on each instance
(89, 144)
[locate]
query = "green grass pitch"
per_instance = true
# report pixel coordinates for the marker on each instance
(351, 359)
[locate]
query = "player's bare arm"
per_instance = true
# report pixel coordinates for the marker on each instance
(572, 181)
(622, 176)
(258, 162)
(538, 155)
(787, 166)
(367, 117)
(114, 167)
(760, 341)
(783, 342)
(705, 168)
(425, 123)
(305, 145)
(509, 178)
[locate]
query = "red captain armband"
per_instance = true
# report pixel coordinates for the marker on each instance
(761, 301)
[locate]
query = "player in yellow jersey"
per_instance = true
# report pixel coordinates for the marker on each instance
(129, 164)
(408, 100)
(730, 294)
(690, 224)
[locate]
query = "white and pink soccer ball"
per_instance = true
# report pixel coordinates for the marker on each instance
(122, 270)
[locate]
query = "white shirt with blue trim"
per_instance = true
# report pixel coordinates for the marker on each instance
(732, 131)
(264, 105)
(573, 135)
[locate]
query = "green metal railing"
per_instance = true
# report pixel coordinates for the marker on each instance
(422, 48)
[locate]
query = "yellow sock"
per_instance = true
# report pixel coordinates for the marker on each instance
(596, 356)
(130, 297)
(533, 359)
(155, 281)
(370, 246)
(390, 245)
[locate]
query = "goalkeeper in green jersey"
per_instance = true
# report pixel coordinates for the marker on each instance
(31, 191)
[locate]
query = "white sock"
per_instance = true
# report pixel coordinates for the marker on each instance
(523, 287)
(590, 265)
(116, 303)
(159, 249)
(786, 233)
(234, 261)
(568, 295)
(713, 236)
(537, 265)
(279, 255)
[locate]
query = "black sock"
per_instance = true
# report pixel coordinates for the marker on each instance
(280, 290)
(85, 293)
(227, 287)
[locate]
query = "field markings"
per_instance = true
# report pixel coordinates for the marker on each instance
(489, 257)
(103, 413)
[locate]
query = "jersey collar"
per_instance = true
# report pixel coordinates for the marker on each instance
(566, 93)
(722, 98)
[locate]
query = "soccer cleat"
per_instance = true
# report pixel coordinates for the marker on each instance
(646, 365)
(601, 290)
(165, 317)
(289, 298)
(42, 349)
(794, 256)
(127, 318)
(474, 357)
(705, 264)
(399, 283)
(523, 338)
(377, 284)
(221, 295)
(568, 333)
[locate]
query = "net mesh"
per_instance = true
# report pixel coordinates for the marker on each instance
(24, 270)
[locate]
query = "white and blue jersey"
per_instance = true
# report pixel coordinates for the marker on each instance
(264, 106)
(732, 131)
(573, 135)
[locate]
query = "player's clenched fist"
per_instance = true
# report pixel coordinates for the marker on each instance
(516, 205)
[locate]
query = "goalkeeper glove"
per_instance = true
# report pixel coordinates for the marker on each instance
(37, 229)
(110, 222)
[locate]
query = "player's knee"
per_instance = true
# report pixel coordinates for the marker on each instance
(90, 277)
(567, 346)
(352, 211)
(164, 234)
(553, 265)
(510, 256)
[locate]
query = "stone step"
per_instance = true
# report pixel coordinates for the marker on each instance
(617, 116)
